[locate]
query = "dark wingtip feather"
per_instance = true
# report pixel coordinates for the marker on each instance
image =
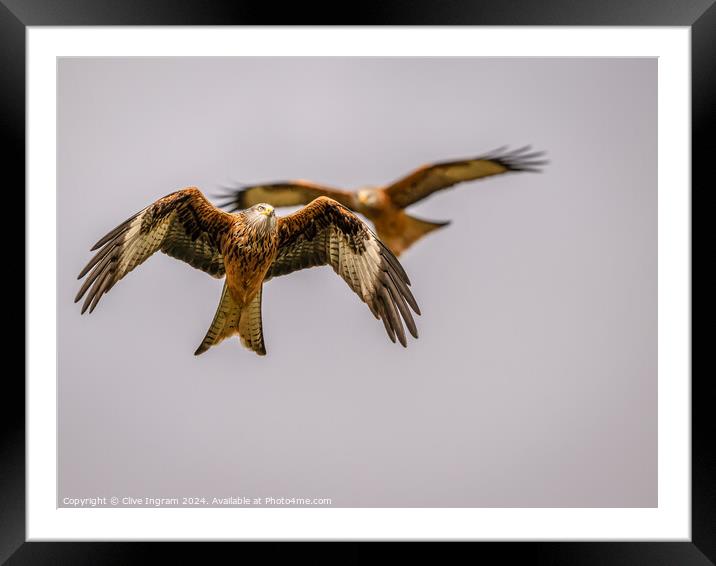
(394, 319)
(406, 293)
(392, 260)
(384, 319)
(224, 203)
(495, 152)
(521, 159)
(98, 259)
(233, 196)
(397, 296)
(112, 234)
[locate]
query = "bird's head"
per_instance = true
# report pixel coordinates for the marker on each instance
(261, 216)
(369, 197)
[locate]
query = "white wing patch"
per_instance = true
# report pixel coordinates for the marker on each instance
(138, 247)
(360, 271)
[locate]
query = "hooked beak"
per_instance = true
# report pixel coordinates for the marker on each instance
(268, 211)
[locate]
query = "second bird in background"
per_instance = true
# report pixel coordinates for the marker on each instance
(384, 206)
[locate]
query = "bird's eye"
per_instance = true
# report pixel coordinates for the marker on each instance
(261, 207)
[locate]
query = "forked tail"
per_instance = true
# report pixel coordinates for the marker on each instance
(231, 319)
(250, 326)
(413, 230)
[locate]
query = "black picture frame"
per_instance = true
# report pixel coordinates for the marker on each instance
(17, 15)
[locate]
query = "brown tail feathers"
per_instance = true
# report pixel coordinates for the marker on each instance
(230, 319)
(413, 230)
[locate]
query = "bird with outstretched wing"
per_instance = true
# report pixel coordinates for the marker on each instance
(249, 247)
(385, 206)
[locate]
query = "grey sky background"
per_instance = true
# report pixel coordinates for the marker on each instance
(533, 382)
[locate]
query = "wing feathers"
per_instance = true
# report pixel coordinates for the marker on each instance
(183, 225)
(123, 227)
(96, 259)
(393, 318)
(93, 276)
(405, 292)
(281, 193)
(395, 264)
(326, 233)
(426, 180)
(384, 317)
(399, 300)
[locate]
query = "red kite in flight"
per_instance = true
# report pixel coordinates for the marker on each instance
(248, 248)
(384, 206)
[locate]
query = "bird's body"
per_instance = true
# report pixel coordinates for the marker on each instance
(247, 263)
(385, 206)
(249, 251)
(249, 248)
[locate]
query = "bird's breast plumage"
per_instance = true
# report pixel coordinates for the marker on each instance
(249, 253)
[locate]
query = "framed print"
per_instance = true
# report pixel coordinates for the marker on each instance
(544, 400)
